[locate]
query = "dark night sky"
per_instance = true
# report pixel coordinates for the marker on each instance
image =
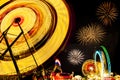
(84, 12)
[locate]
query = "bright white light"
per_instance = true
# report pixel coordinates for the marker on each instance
(75, 57)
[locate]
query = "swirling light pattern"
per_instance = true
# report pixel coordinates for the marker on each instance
(89, 68)
(45, 24)
(31, 21)
(107, 13)
(75, 57)
(90, 34)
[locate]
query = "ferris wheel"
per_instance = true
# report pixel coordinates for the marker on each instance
(31, 31)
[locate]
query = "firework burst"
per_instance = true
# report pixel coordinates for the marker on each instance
(75, 57)
(90, 34)
(107, 13)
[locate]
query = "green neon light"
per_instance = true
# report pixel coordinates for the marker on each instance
(108, 59)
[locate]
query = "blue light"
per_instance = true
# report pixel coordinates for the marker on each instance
(102, 63)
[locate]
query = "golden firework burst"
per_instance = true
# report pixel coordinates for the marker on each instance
(92, 33)
(107, 13)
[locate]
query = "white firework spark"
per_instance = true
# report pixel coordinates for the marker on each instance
(90, 34)
(107, 13)
(75, 57)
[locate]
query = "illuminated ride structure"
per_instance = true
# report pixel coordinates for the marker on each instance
(98, 68)
(31, 32)
(104, 58)
(4, 37)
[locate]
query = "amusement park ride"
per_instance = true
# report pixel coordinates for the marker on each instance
(31, 32)
(29, 35)
(4, 36)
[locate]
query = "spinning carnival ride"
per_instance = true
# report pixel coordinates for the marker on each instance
(98, 68)
(31, 31)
